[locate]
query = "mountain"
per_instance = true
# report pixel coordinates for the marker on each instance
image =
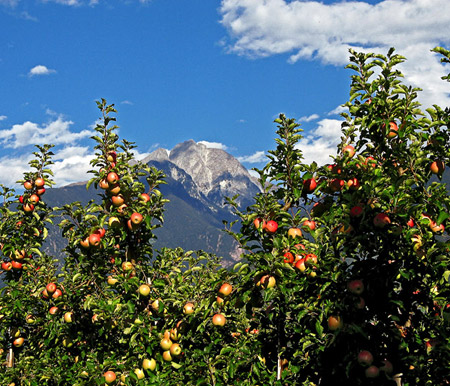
(198, 180)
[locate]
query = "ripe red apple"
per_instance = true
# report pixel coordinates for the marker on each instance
(381, 220)
(410, 223)
(257, 222)
(136, 218)
(85, 242)
(94, 240)
(365, 358)
(144, 198)
(353, 183)
(225, 289)
(437, 167)
(7, 266)
(114, 190)
(117, 200)
(101, 232)
(53, 310)
(370, 161)
(348, 151)
(28, 185)
(39, 182)
(34, 199)
(144, 290)
(40, 191)
(219, 320)
(112, 178)
(103, 184)
(336, 184)
(188, 308)
(288, 257)
(310, 259)
(356, 287)
(127, 266)
(51, 287)
(110, 376)
(356, 211)
(309, 224)
(149, 364)
(271, 226)
(387, 367)
(393, 130)
(57, 294)
(16, 265)
(309, 185)
(436, 228)
(300, 265)
(335, 323)
(294, 232)
(28, 207)
(372, 372)
(18, 342)
(21, 199)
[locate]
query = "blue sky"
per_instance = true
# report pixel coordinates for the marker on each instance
(208, 70)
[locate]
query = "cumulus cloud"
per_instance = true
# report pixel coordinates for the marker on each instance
(311, 30)
(338, 110)
(257, 157)
(321, 142)
(40, 70)
(214, 145)
(56, 132)
(309, 118)
(3, 117)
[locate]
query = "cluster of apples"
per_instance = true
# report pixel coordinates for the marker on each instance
(33, 191)
(16, 260)
(224, 292)
(17, 338)
(169, 344)
(366, 359)
(52, 291)
(94, 240)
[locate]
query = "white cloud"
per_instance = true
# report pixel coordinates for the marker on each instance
(338, 110)
(214, 145)
(257, 157)
(321, 142)
(311, 30)
(3, 117)
(126, 102)
(309, 118)
(71, 164)
(64, 2)
(40, 70)
(56, 132)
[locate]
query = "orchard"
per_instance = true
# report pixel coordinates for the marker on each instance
(344, 278)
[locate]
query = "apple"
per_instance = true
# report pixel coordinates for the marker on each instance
(155, 305)
(103, 184)
(149, 364)
(309, 224)
(268, 281)
(101, 232)
(365, 358)
(175, 335)
(360, 303)
(300, 265)
(356, 287)
(309, 185)
(114, 222)
(111, 156)
(94, 240)
(188, 308)
(165, 344)
(288, 258)
(381, 220)
(370, 161)
(166, 356)
(114, 190)
(18, 342)
(95, 318)
(16, 265)
(110, 376)
(40, 191)
(336, 169)
(410, 223)
(53, 310)
(348, 151)
(393, 130)
(136, 218)
(57, 294)
(144, 289)
(7, 266)
(131, 226)
(85, 242)
(139, 373)
(121, 208)
(21, 199)
(28, 207)
(175, 350)
(30, 319)
(335, 323)
(45, 294)
(436, 228)
(336, 184)
(28, 185)
(353, 183)
(356, 211)
(310, 259)
(225, 289)
(127, 266)
(437, 167)
(112, 178)
(144, 198)
(39, 182)
(112, 280)
(372, 372)
(294, 232)
(68, 317)
(257, 222)
(387, 367)
(34, 199)
(271, 226)
(219, 320)
(118, 200)
(51, 287)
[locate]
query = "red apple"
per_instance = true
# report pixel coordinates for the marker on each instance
(118, 200)
(348, 151)
(393, 130)
(356, 211)
(271, 226)
(51, 287)
(188, 308)
(309, 185)
(288, 257)
(112, 178)
(103, 184)
(356, 287)
(40, 191)
(85, 242)
(53, 310)
(219, 320)
(39, 182)
(372, 372)
(335, 323)
(57, 294)
(94, 240)
(370, 161)
(28, 185)
(18, 342)
(353, 183)
(114, 190)
(136, 218)
(294, 232)
(437, 167)
(34, 199)
(16, 265)
(144, 198)
(365, 358)
(28, 207)
(21, 199)
(309, 224)
(7, 266)
(387, 367)
(310, 259)
(300, 265)
(410, 223)
(381, 220)
(225, 289)
(110, 376)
